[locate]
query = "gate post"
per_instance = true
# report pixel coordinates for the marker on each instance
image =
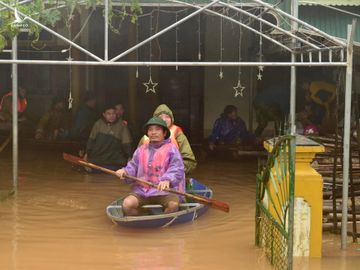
(308, 185)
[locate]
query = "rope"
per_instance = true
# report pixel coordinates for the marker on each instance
(169, 223)
(194, 216)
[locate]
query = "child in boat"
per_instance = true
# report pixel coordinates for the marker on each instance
(177, 137)
(109, 143)
(159, 162)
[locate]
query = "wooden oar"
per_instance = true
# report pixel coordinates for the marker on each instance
(211, 202)
(5, 143)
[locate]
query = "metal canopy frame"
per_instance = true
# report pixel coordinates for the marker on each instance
(303, 41)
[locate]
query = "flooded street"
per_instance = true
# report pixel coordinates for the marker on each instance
(58, 221)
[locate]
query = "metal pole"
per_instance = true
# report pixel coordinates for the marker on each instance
(347, 127)
(173, 64)
(14, 74)
(294, 27)
(106, 45)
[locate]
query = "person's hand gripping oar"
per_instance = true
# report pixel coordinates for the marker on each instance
(201, 199)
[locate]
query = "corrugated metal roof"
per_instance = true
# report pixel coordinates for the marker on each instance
(330, 2)
(330, 21)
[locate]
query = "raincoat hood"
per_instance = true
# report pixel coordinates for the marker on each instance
(164, 109)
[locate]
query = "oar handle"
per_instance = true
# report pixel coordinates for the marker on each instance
(197, 197)
(212, 202)
(91, 165)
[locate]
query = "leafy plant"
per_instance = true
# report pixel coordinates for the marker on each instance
(48, 13)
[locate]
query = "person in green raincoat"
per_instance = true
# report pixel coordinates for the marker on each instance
(177, 137)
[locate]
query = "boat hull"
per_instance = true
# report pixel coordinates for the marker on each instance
(189, 211)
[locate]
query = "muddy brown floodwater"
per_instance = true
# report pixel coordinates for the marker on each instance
(58, 221)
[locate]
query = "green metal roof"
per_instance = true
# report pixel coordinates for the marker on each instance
(330, 2)
(330, 21)
(284, 3)
(314, 12)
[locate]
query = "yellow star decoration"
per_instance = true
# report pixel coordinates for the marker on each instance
(259, 76)
(239, 89)
(150, 86)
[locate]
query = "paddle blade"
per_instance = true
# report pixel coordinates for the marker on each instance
(220, 205)
(72, 159)
(211, 202)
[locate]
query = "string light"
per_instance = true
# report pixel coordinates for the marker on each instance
(176, 41)
(221, 73)
(150, 85)
(239, 89)
(260, 54)
(199, 37)
(137, 51)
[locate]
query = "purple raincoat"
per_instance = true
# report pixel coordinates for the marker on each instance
(155, 163)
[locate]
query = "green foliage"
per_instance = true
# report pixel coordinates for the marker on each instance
(122, 13)
(50, 14)
(2, 42)
(51, 17)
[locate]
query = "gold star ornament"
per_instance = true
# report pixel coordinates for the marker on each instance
(239, 89)
(150, 86)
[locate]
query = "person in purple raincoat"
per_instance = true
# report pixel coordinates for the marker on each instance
(159, 162)
(230, 129)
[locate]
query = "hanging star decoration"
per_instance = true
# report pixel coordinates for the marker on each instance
(239, 89)
(259, 75)
(150, 86)
(70, 100)
(221, 74)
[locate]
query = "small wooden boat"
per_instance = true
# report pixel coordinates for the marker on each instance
(188, 211)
